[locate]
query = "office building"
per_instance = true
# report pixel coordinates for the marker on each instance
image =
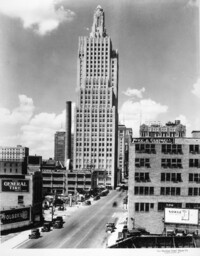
(54, 177)
(124, 139)
(164, 179)
(59, 146)
(13, 160)
(96, 114)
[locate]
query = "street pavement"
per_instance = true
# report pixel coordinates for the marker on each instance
(12, 241)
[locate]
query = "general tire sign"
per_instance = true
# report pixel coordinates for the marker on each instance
(15, 215)
(15, 185)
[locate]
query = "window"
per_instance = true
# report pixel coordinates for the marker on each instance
(172, 149)
(143, 207)
(142, 177)
(194, 177)
(167, 191)
(144, 190)
(171, 163)
(193, 191)
(174, 177)
(194, 149)
(20, 199)
(194, 163)
(145, 148)
(142, 162)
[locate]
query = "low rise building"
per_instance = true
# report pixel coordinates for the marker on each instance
(163, 173)
(54, 177)
(85, 180)
(21, 200)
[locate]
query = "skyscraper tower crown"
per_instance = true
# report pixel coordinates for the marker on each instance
(98, 27)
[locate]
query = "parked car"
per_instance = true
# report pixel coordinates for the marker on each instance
(58, 224)
(110, 227)
(87, 202)
(46, 227)
(61, 208)
(35, 233)
(97, 197)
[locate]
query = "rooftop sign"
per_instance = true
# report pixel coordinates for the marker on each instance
(154, 140)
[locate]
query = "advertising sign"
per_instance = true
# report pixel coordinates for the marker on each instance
(181, 216)
(15, 185)
(154, 140)
(15, 215)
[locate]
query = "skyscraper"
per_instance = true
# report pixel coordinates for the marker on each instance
(96, 114)
(59, 146)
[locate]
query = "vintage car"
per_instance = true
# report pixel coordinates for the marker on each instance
(110, 227)
(58, 224)
(46, 227)
(35, 233)
(87, 202)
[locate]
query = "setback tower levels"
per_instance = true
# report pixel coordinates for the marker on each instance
(96, 114)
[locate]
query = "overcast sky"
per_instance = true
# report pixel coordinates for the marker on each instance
(158, 47)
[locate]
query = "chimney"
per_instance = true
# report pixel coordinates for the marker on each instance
(68, 130)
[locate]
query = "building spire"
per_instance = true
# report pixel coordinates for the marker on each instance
(98, 27)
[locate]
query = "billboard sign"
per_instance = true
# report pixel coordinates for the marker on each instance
(15, 215)
(14, 185)
(154, 140)
(181, 216)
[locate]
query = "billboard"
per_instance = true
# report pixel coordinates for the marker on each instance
(181, 216)
(154, 140)
(14, 185)
(15, 215)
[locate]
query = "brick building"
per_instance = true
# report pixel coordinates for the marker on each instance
(163, 172)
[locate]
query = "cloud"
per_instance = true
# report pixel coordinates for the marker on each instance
(42, 16)
(35, 131)
(192, 3)
(19, 115)
(132, 114)
(134, 92)
(196, 88)
(185, 122)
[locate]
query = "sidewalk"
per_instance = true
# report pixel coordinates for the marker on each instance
(119, 226)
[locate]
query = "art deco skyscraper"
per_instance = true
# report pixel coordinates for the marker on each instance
(96, 114)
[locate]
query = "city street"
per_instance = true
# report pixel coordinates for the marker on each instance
(85, 228)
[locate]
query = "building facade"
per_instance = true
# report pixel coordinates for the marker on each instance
(13, 160)
(77, 181)
(96, 114)
(170, 129)
(21, 200)
(164, 173)
(54, 177)
(124, 139)
(59, 146)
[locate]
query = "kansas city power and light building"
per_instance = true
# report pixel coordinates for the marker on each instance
(96, 114)
(164, 180)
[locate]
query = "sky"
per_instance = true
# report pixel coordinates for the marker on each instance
(158, 45)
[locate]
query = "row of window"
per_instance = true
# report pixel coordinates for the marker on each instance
(146, 207)
(167, 163)
(166, 148)
(166, 191)
(171, 177)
